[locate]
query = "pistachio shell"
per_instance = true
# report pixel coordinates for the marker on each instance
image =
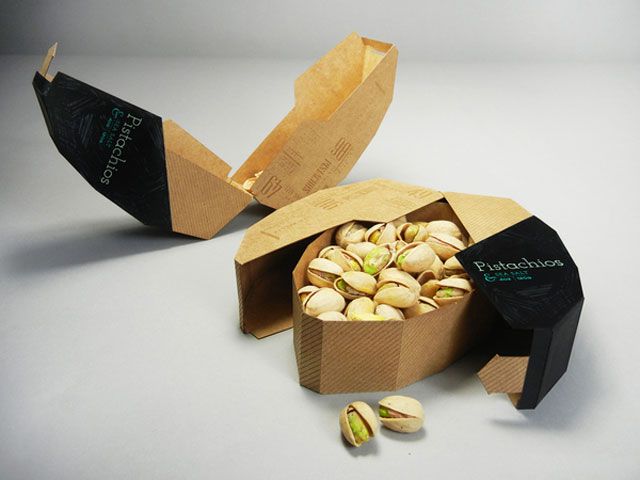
(322, 272)
(396, 295)
(453, 267)
(304, 292)
(361, 249)
(388, 312)
(451, 290)
(406, 413)
(393, 275)
(323, 300)
(429, 288)
(461, 283)
(355, 284)
(424, 305)
(378, 259)
(381, 233)
(333, 316)
(368, 317)
(445, 245)
(359, 306)
(415, 257)
(351, 232)
(366, 415)
(347, 260)
(444, 226)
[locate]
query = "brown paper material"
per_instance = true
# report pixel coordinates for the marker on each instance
(505, 375)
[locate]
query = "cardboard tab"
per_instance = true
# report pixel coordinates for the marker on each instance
(163, 176)
(504, 374)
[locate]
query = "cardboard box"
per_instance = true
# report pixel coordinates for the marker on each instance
(157, 172)
(527, 298)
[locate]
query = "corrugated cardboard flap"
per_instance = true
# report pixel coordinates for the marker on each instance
(505, 375)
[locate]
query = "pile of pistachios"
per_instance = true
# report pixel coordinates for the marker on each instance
(386, 271)
(359, 423)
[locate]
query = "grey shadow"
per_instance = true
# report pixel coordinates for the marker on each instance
(253, 213)
(53, 249)
(403, 437)
(364, 450)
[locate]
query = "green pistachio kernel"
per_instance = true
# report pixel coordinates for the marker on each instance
(376, 260)
(359, 429)
(383, 412)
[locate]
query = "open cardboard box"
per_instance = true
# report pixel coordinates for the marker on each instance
(163, 176)
(527, 298)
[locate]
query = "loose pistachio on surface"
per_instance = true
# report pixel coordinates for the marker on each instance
(401, 414)
(358, 423)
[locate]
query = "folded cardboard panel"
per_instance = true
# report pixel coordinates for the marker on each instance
(405, 351)
(163, 176)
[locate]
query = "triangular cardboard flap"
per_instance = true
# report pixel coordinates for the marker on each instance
(504, 374)
(528, 275)
(340, 103)
(484, 216)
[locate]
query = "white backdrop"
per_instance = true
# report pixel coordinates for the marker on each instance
(458, 30)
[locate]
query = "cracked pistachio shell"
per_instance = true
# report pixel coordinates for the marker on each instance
(322, 272)
(451, 290)
(453, 267)
(359, 306)
(347, 260)
(393, 275)
(446, 227)
(367, 419)
(304, 292)
(436, 270)
(351, 232)
(412, 232)
(396, 295)
(424, 305)
(378, 259)
(323, 300)
(381, 233)
(361, 249)
(352, 285)
(415, 257)
(445, 245)
(334, 316)
(368, 317)
(406, 414)
(388, 312)
(429, 288)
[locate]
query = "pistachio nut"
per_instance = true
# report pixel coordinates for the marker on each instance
(429, 288)
(396, 294)
(451, 290)
(381, 233)
(359, 306)
(415, 257)
(368, 316)
(346, 260)
(248, 183)
(352, 285)
(424, 305)
(334, 316)
(378, 259)
(361, 249)
(412, 232)
(323, 300)
(444, 226)
(322, 272)
(401, 414)
(358, 423)
(304, 292)
(453, 267)
(445, 245)
(394, 275)
(388, 312)
(351, 232)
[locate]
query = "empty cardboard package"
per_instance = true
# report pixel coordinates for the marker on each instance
(161, 175)
(527, 298)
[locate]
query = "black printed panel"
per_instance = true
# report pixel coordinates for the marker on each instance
(528, 275)
(117, 147)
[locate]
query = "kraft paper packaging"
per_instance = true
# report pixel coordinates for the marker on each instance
(527, 298)
(161, 175)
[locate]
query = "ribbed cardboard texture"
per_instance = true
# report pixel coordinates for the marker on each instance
(339, 105)
(337, 356)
